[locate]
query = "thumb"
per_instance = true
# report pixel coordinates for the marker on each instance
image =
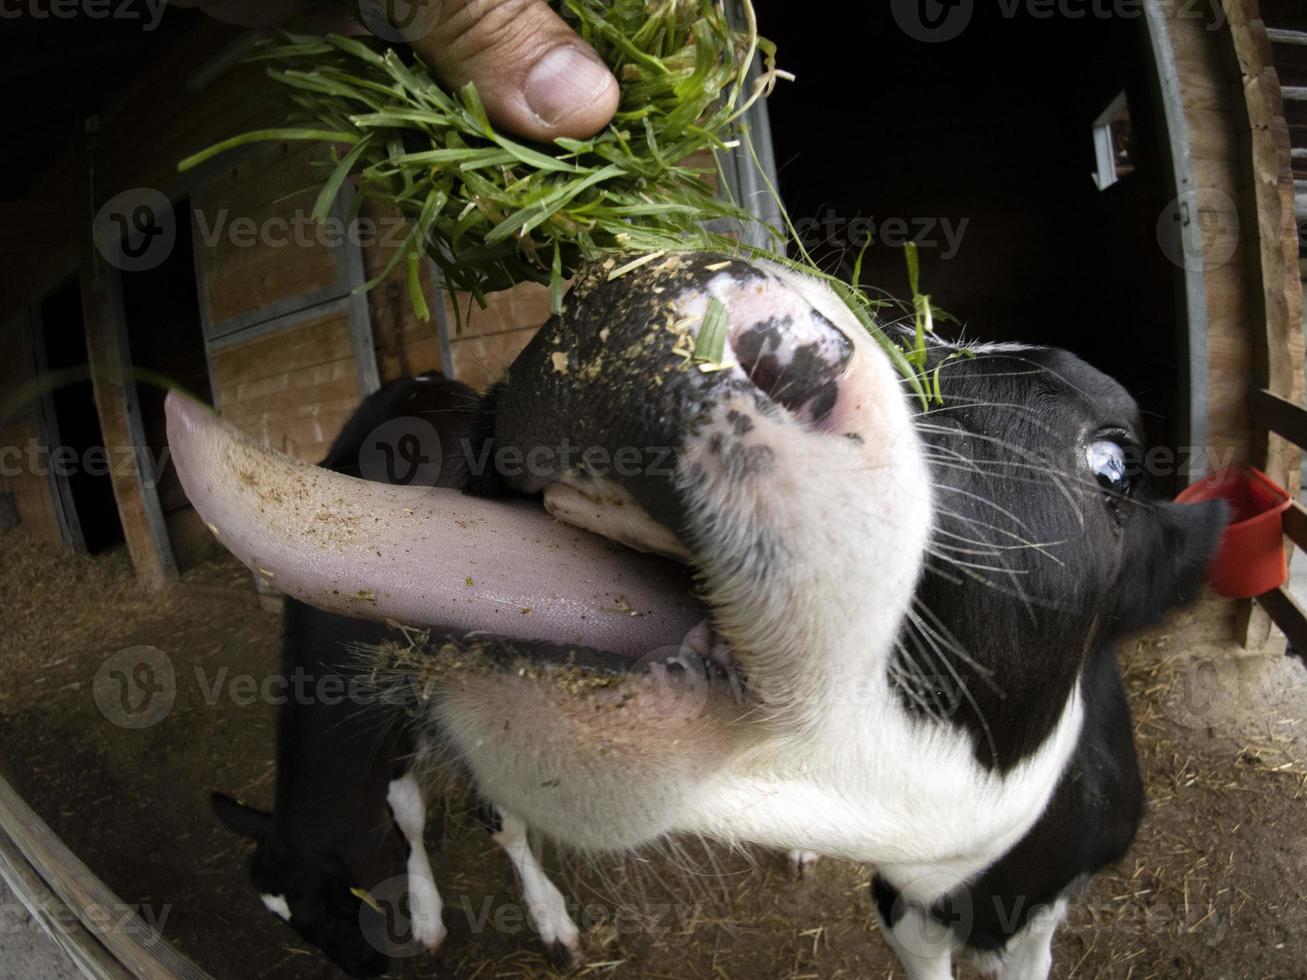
(537, 78)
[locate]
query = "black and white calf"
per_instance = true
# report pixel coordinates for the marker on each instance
(901, 618)
(347, 762)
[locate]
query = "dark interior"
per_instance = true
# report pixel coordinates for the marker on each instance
(75, 428)
(166, 337)
(992, 127)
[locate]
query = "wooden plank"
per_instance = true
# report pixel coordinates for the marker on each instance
(1279, 415)
(1295, 525)
(139, 947)
(1276, 381)
(1287, 615)
(144, 528)
(55, 918)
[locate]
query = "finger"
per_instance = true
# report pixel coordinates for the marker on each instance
(536, 77)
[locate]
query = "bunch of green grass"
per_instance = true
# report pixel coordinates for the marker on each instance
(492, 211)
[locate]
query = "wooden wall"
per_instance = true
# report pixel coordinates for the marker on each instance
(250, 264)
(272, 295)
(137, 143)
(1240, 149)
(492, 337)
(475, 350)
(293, 389)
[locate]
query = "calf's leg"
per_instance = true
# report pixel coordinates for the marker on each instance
(1029, 954)
(545, 904)
(410, 813)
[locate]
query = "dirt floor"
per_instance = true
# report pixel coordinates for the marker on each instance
(1216, 886)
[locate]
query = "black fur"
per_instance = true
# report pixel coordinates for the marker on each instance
(1040, 621)
(1009, 470)
(330, 830)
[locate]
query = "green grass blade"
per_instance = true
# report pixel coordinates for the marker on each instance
(266, 136)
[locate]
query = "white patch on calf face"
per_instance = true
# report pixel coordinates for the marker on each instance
(809, 547)
(810, 551)
(276, 904)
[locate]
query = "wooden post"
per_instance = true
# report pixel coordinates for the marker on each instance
(101, 934)
(1278, 347)
(120, 422)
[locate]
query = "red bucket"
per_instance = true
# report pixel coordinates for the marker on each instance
(1251, 559)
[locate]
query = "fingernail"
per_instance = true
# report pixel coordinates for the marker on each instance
(564, 80)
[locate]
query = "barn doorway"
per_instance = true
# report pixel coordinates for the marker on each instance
(77, 460)
(165, 337)
(984, 142)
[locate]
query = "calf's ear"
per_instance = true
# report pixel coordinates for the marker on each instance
(1168, 548)
(244, 820)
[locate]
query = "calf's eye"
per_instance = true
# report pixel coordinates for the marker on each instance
(1109, 464)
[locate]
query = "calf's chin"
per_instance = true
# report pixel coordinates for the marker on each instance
(1168, 562)
(603, 768)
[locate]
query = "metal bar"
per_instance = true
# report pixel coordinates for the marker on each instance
(440, 313)
(283, 322)
(1287, 615)
(1193, 328)
(201, 296)
(751, 183)
(360, 316)
(1281, 416)
(252, 318)
(1281, 36)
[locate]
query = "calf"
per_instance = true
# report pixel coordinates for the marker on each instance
(347, 762)
(897, 644)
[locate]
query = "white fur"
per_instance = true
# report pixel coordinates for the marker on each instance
(923, 946)
(544, 902)
(898, 794)
(1029, 954)
(801, 862)
(406, 804)
(277, 905)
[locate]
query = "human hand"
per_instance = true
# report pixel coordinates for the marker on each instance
(536, 77)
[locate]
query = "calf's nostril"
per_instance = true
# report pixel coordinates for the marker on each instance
(796, 364)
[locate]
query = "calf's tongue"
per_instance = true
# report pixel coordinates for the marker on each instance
(423, 556)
